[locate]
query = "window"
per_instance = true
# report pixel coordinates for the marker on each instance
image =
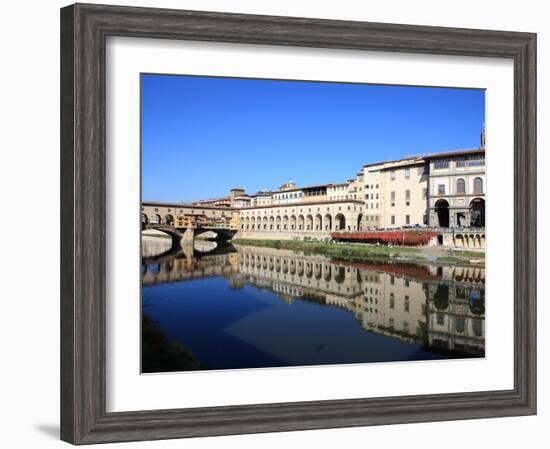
(407, 219)
(460, 163)
(460, 186)
(441, 189)
(441, 163)
(478, 186)
(476, 161)
(407, 197)
(407, 304)
(392, 196)
(460, 292)
(393, 219)
(407, 173)
(392, 176)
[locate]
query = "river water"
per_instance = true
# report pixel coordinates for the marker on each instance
(245, 307)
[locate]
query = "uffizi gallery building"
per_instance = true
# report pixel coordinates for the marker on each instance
(441, 190)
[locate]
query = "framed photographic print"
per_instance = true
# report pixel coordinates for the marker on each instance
(274, 223)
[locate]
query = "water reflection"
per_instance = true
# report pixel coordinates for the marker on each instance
(242, 307)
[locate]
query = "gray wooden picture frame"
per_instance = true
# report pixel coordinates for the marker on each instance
(84, 29)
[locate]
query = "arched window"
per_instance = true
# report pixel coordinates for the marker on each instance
(460, 187)
(478, 186)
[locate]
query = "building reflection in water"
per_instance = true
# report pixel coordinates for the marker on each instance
(440, 307)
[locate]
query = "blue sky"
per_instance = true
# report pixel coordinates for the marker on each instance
(202, 136)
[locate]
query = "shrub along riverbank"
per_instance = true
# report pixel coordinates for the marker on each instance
(361, 251)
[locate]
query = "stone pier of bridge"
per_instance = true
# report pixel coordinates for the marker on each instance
(188, 236)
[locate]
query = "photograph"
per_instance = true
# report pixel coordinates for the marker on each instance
(290, 223)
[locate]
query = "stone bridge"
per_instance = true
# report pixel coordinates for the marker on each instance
(187, 235)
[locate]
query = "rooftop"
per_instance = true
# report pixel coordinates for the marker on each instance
(422, 157)
(307, 204)
(182, 205)
(455, 153)
(310, 187)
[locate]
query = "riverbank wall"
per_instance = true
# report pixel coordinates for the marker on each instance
(456, 238)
